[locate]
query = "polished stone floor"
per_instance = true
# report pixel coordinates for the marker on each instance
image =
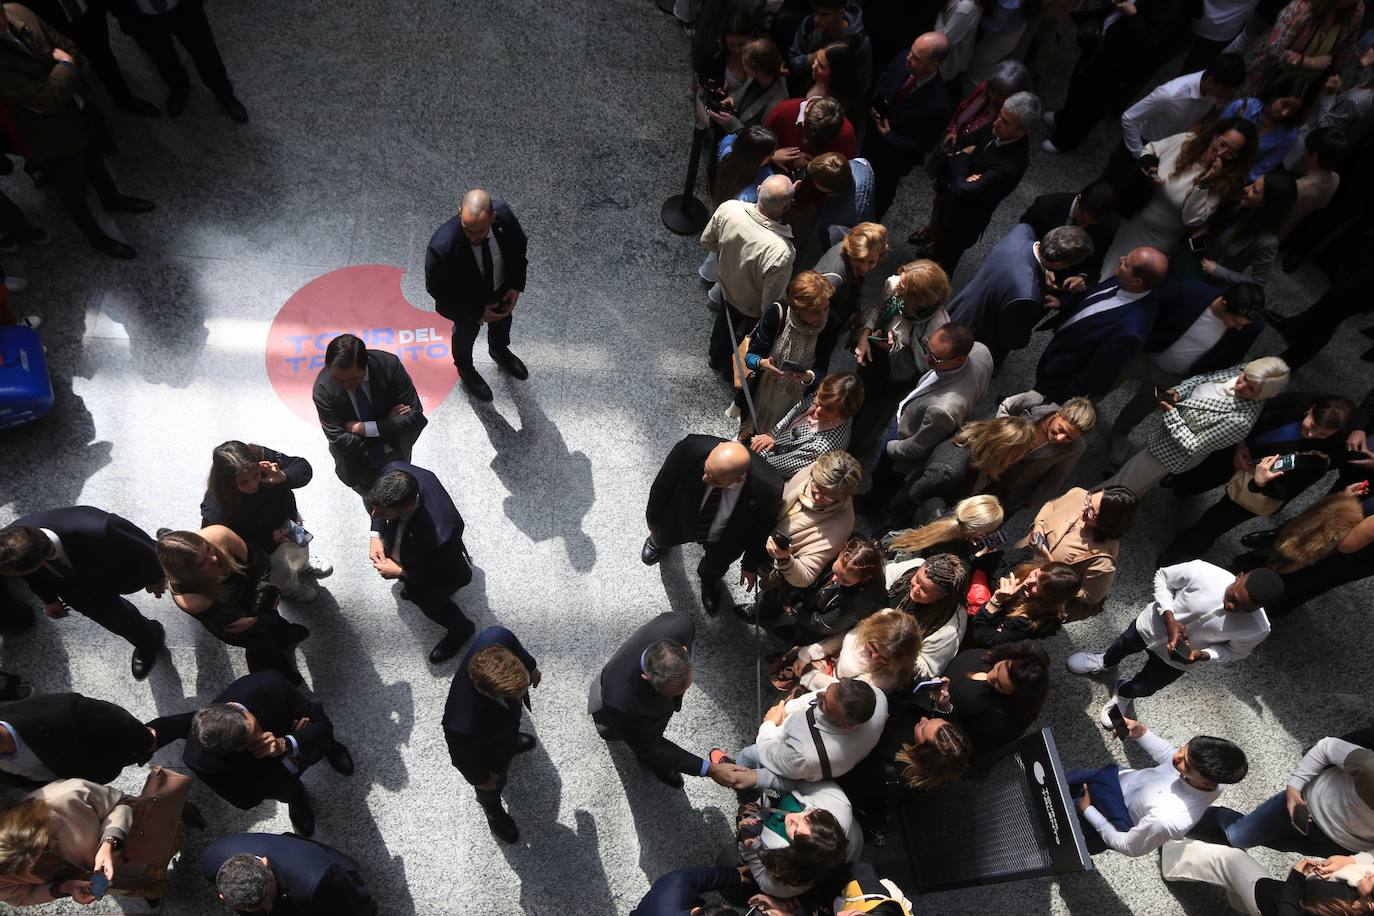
(368, 122)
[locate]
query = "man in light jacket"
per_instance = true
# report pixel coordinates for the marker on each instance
(1201, 614)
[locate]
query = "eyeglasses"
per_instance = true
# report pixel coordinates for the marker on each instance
(1089, 513)
(1224, 149)
(935, 361)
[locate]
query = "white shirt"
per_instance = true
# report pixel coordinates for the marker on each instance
(1171, 109)
(59, 552)
(1120, 298)
(729, 496)
(1163, 807)
(1194, 592)
(24, 762)
(926, 383)
(1204, 333)
(1223, 20)
(369, 426)
(787, 752)
(498, 268)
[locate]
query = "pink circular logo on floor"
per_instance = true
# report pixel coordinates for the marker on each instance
(366, 301)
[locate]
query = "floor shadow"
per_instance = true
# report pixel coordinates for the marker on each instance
(39, 654)
(47, 463)
(682, 591)
(555, 863)
(666, 821)
(163, 312)
(551, 489)
(472, 598)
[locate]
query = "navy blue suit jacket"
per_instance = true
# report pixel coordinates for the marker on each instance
(1086, 358)
(1180, 306)
(917, 122)
(480, 730)
(108, 553)
(312, 879)
(453, 276)
(431, 550)
(676, 893)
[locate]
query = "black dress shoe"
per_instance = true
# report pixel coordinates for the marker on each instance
(648, 555)
(296, 634)
(524, 742)
(146, 656)
(302, 816)
(340, 759)
(502, 825)
(1259, 540)
(115, 249)
(124, 203)
(475, 384)
(745, 612)
(176, 101)
(511, 363)
(234, 108)
(669, 778)
(15, 689)
(710, 599)
(138, 107)
(453, 640)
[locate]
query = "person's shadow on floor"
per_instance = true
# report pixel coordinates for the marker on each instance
(551, 489)
(556, 863)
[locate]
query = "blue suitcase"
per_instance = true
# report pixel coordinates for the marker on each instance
(25, 391)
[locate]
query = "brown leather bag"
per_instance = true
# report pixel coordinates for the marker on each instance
(157, 814)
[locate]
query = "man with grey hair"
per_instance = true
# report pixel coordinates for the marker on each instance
(979, 177)
(263, 872)
(1017, 282)
(475, 269)
(756, 255)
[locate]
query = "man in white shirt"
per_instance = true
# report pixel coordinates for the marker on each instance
(1136, 811)
(1177, 105)
(1201, 615)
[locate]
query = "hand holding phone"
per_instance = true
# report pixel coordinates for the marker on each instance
(1118, 722)
(1301, 817)
(783, 541)
(100, 884)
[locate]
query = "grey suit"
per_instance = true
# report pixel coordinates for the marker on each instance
(934, 415)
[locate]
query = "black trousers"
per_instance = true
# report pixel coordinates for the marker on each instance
(465, 332)
(1314, 328)
(115, 613)
(268, 645)
(1321, 577)
(435, 602)
(71, 177)
(186, 23)
(1154, 677)
(1192, 542)
(91, 32)
(721, 347)
(1099, 80)
(890, 166)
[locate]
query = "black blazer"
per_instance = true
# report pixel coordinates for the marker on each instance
(263, 513)
(917, 122)
(968, 206)
(453, 274)
(388, 384)
(77, 737)
(637, 711)
(1050, 211)
(677, 493)
(1278, 412)
(312, 879)
(1087, 357)
(108, 554)
(242, 779)
(431, 551)
(1180, 305)
(480, 730)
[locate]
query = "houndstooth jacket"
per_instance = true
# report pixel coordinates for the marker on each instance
(1196, 427)
(794, 449)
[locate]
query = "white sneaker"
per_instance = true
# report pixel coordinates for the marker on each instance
(1048, 118)
(1103, 718)
(31, 322)
(16, 284)
(319, 567)
(1085, 663)
(1050, 148)
(732, 411)
(302, 594)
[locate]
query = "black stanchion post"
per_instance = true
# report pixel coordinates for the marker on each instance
(682, 213)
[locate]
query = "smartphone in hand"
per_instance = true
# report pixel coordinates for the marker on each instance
(783, 541)
(1181, 652)
(1302, 816)
(100, 884)
(1118, 722)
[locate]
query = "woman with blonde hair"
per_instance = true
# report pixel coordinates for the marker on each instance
(1318, 532)
(1351, 559)
(971, 461)
(882, 649)
(845, 267)
(213, 577)
(972, 520)
(782, 351)
(54, 841)
(1059, 444)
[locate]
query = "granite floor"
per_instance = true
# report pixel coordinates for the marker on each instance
(368, 121)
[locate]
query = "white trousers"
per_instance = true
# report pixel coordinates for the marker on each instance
(1232, 870)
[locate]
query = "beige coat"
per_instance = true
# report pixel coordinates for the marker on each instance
(83, 815)
(817, 534)
(756, 256)
(1061, 521)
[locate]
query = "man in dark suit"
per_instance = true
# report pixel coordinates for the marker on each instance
(85, 560)
(979, 177)
(156, 26)
(417, 537)
(1099, 331)
(909, 110)
(1007, 296)
(475, 270)
(88, 24)
(368, 409)
(257, 738)
(718, 494)
(1196, 330)
(681, 892)
(286, 876)
(636, 694)
(482, 719)
(1093, 210)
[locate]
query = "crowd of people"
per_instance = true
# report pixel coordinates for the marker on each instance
(872, 511)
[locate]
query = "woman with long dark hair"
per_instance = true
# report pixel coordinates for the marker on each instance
(1030, 603)
(1084, 530)
(1242, 241)
(998, 692)
(834, 74)
(1277, 112)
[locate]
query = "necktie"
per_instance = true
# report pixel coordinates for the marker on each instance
(487, 268)
(907, 88)
(701, 531)
(376, 454)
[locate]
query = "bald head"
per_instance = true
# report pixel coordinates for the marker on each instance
(1142, 269)
(927, 52)
(476, 214)
(726, 465)
(775, 196)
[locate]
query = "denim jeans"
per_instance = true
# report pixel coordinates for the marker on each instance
(1269, 826)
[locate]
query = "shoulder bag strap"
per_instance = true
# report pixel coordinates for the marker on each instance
(820, 744)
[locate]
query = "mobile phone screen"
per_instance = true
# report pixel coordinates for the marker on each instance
(1301, 816)
(1118, 722)
(100, 884)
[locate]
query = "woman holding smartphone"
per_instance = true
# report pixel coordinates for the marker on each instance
(782, 351)
(1084, 530)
